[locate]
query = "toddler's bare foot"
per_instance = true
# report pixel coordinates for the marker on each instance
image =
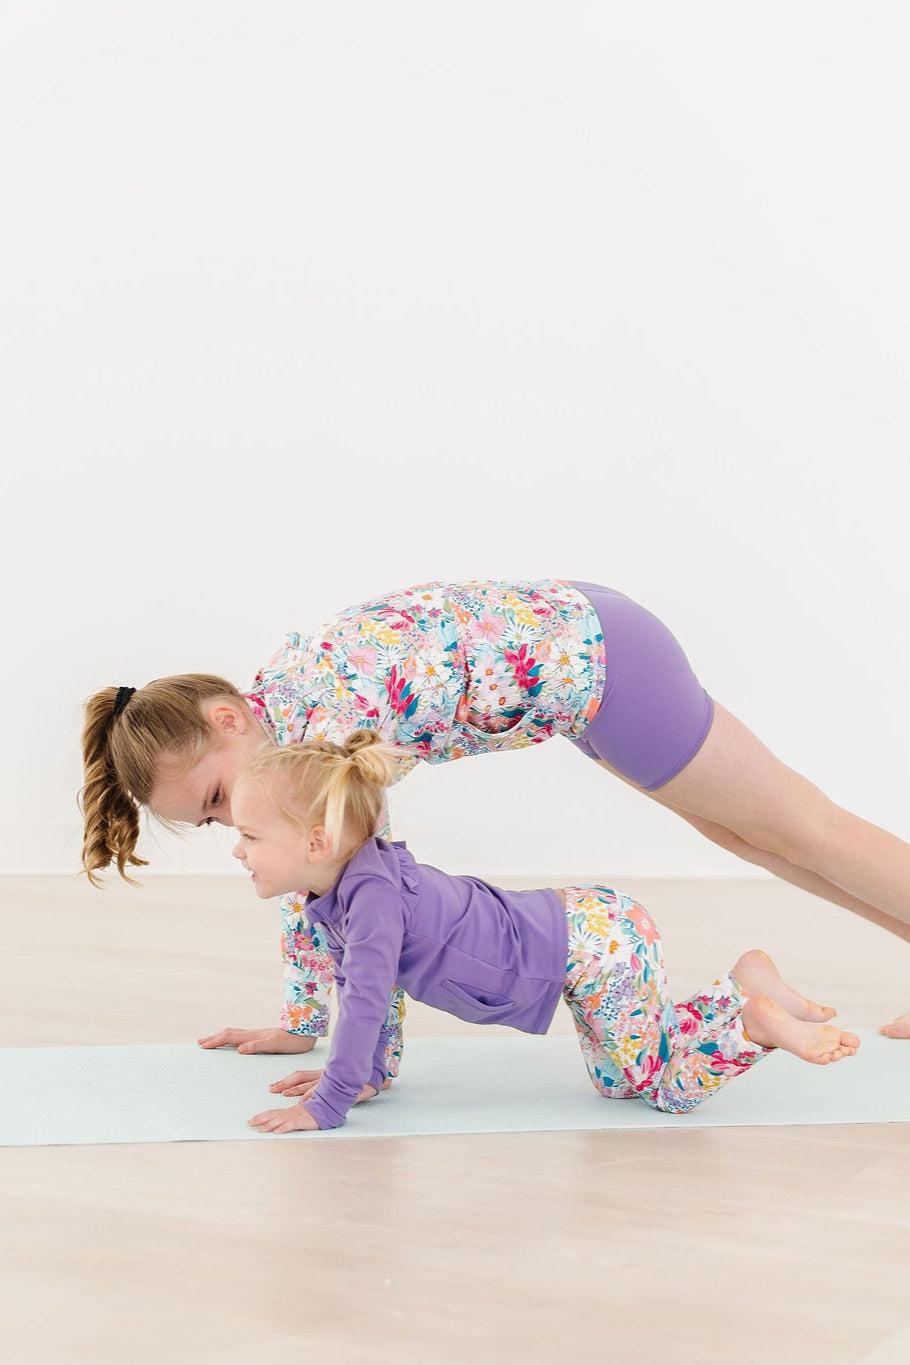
(757, 975)
(767, 1023)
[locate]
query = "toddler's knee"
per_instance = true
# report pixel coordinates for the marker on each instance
(672, 1101)
(613, 1090)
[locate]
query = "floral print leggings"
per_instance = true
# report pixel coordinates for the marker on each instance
(636, 1042)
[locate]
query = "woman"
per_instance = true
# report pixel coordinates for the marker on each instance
(447, 671)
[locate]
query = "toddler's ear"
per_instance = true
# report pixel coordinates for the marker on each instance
(319, 846)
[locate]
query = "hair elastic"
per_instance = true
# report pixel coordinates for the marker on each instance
(121, 699)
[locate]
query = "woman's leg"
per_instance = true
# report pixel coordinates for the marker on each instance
(735, 781)
(660, 729)
(797, 876)
(788, 870)
(635, 1040)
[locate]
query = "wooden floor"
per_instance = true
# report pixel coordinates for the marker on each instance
(718, 1245)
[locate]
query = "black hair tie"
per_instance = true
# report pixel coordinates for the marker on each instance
(121, 699)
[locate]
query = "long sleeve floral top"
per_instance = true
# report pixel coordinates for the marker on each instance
(443, 671)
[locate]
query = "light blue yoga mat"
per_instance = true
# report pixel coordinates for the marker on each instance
(183, 1093)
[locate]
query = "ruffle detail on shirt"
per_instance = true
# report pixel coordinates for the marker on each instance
(407, 866)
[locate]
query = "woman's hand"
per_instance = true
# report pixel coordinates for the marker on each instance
(303, 1083)
(259, 1040)
(290, 1120)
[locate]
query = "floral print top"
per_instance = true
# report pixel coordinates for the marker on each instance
(443, 671)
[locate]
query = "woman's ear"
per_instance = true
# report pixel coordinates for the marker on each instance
(226, 719)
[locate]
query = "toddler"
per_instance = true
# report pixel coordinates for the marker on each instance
(304, 815)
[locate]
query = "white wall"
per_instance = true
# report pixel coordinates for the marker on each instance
(301, 303)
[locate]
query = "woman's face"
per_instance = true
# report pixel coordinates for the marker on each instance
(203, 794)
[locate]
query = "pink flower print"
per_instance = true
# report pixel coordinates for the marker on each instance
(401, 697)
(644, 926)
(689, 1018)
(318, 720)
(731, 1066)
(363, 658)
(396, 618)
(526, 669)
(309, 959)
(256, 704)
(365, 707)
(646, 1072)
(488, 627)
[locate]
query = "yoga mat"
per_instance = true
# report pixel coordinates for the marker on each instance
(54, 1096)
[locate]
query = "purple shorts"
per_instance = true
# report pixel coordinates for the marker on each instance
(655, 715)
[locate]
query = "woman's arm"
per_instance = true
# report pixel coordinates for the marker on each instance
(391, 1039)
(308, 972)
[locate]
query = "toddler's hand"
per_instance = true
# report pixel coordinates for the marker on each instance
(369, 1091)
(303, 1083)
(259, 1040)
(285, 1120)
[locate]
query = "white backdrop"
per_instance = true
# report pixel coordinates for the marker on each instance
(304, 303)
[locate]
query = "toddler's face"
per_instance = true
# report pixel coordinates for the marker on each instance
(280, 856)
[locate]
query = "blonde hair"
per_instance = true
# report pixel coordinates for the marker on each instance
(121, 755)
(339, 786)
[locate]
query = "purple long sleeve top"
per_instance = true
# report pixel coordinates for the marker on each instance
(481, 953)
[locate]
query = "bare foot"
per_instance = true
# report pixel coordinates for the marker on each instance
(767, 1023)
(898, 1028)
(757, 975)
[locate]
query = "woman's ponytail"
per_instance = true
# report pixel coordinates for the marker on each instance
(110, 815)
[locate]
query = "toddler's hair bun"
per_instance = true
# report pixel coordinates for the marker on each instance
(360, 739)
(371, 758)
